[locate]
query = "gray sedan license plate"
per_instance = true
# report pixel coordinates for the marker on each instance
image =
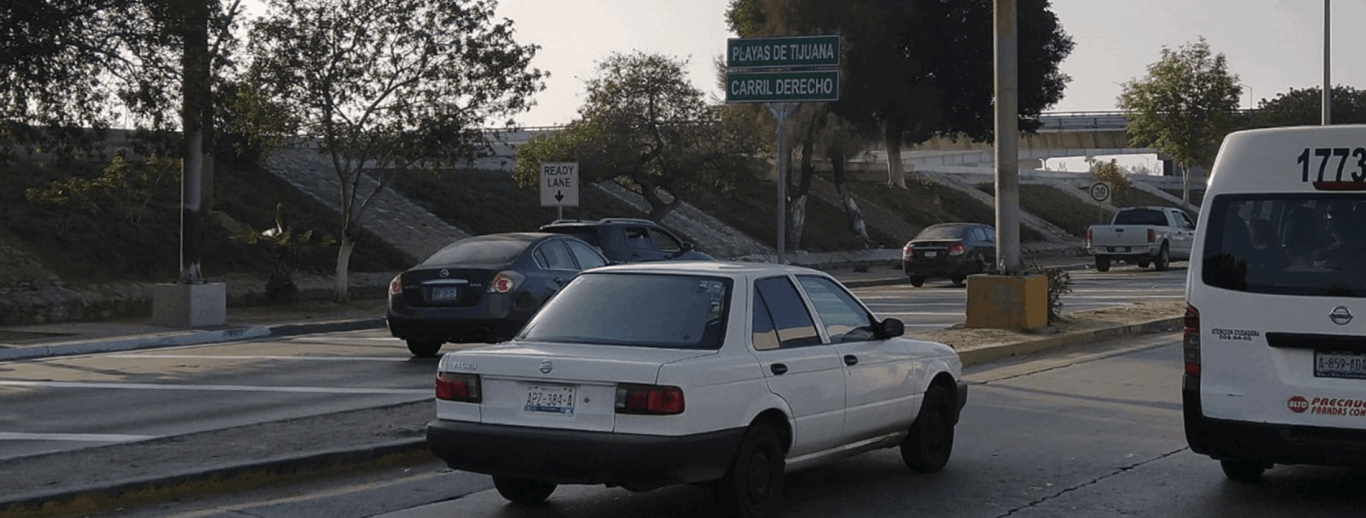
(1339, 364)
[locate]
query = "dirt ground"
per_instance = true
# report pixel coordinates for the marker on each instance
(1078, 321)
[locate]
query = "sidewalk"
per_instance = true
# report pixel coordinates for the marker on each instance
(120, 475)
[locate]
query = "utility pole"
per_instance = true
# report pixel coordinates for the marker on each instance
(1007, 139)
(1327, 67)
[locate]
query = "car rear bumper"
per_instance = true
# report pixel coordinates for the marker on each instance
(1267, 442)
(577, 457)
(952, 267)
(445, 327)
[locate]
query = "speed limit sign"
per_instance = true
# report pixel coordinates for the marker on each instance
(1100, 191)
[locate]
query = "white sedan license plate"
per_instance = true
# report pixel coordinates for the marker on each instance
(1339, 364)
(550, 399)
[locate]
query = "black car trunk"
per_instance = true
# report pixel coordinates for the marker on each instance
(445, 287)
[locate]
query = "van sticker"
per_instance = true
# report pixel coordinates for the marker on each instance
(1334, 162)
(1346, 407)
(1239, 335)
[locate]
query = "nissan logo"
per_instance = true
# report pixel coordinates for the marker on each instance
(546, 366)
(1340, 315)
(445, 273)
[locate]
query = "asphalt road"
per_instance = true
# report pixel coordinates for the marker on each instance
(1087, 432)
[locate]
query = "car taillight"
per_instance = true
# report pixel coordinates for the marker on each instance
(649, 399)
(451, 386)
(908, 251)
(505, 281)
(1152, 235)
(957, 249)
(1190, 341)
(1088, 238)
(396, 285)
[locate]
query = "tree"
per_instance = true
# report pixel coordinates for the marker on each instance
(1304, 107)
(915, 70)
(1110, 172)
(389, 86)
(1183, 107)
(647, 128)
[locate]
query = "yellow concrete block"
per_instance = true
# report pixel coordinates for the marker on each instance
(1007, 301)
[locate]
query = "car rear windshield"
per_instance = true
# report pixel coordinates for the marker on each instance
(478, 251)
(1292, 244)
(953, 232)
(639, 310)
(1141, 217)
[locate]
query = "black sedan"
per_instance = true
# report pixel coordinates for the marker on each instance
(949, 250)
(482, 289)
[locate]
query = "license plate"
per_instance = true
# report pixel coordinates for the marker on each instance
(445, 293)
(550, 399)
(931, 254)
(1339, 364)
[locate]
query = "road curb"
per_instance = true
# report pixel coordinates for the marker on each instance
(986, 353)
(214, 480)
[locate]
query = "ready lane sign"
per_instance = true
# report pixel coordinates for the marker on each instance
(762, 87)
(559, 184)
(792, 51)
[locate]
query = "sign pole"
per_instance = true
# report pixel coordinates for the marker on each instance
(781, 111)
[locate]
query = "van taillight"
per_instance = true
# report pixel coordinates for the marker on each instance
(1152, 235)
(1190, 341)
(649, 399)
(451, 386)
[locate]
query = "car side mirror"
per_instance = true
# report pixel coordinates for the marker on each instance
(892, 328)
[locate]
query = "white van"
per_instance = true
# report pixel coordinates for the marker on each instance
(1275, 356)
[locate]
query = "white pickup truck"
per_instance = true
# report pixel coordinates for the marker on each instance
(1142, 235)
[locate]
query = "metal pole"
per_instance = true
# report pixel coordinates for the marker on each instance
(781, 111)
(1327, 65)
(1007, 140)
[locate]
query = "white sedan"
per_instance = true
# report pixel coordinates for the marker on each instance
(646, 375)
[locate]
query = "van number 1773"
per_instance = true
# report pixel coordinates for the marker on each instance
(1333, 161)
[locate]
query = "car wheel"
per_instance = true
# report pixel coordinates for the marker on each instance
(753, 485)
(523, 491)
(1243, 470)
(927, 448)
(423, 348)
(958, 280)
(1163, 259)
(917, 281)
(1143, 264)
(1102, 263)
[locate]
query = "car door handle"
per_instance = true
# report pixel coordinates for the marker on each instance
(778, 369)
(850, 359)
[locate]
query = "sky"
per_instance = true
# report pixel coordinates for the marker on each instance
(1271, 45)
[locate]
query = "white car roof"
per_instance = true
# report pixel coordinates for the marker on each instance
(734, 269)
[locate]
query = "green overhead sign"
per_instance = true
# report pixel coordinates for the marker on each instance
(791, 51)
(757, 87)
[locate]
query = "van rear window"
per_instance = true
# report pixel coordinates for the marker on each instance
(1291, 244)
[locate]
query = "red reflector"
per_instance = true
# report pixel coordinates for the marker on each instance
(458, 387)
(649, 399)
(1192, 369)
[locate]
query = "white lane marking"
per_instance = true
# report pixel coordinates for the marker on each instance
(72, 437)
(260, 357)
(222, 388)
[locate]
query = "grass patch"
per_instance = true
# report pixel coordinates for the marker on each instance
(1197, 197)
(486, 202)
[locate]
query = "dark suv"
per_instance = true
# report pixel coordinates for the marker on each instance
(628, 240)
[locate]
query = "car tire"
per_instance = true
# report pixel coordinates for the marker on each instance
(424, 348)
(930, 443)
(1243, 470)
(523, 491)
(917, 281)
(1102, 263)
(753, 485)
(1142, 264)
(958, 280)
(1164, 259)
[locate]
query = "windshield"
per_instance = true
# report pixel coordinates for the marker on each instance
(482, 250)
(641, 310)
(1296, 244)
